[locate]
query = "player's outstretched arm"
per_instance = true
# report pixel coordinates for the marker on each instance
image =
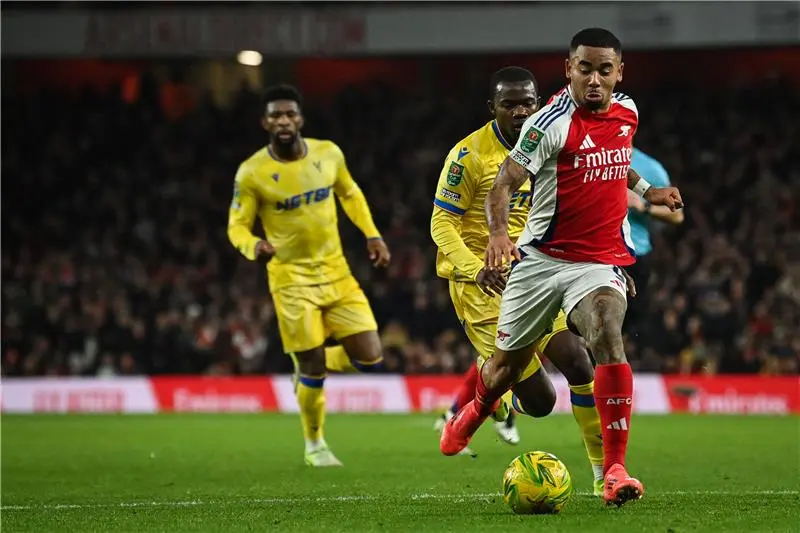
(501, 248)
(241, 216)
(355, 206)
(666, 196)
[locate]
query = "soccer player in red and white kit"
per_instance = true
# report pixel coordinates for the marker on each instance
(577, 152)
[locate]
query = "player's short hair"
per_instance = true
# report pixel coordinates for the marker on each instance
(282, 91)
(595, 37)
(511, 75)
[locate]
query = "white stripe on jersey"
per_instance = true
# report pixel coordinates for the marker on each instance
(554, 120)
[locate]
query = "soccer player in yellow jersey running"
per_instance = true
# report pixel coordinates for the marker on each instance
(460, 230)
(290, 185)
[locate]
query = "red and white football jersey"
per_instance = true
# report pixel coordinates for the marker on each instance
(580, 163)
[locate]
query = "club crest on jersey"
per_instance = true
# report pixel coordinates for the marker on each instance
(455, 173)
(531, 139)
(624, 131)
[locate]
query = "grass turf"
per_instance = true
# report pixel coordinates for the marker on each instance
(246, 473)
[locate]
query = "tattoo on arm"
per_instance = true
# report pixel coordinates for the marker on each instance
(510, 178)
(633, 178)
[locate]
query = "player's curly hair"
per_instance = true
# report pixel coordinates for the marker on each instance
(282, 91)
(595, 37)
(511, 75)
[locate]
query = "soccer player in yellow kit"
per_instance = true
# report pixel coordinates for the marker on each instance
(460, 230)
(290, 185)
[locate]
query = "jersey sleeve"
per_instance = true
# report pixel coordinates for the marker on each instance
(457, 181)
(539, 141)
(242, 215)
(354, 203)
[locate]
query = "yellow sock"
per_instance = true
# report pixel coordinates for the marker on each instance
(502, 411)
(311, 399)
(336, 360)
(585, 413)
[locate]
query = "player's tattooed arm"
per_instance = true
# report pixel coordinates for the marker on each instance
(510, 178)
(501, 249)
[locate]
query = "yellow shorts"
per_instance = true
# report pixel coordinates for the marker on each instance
(307, 315)
(478, 314)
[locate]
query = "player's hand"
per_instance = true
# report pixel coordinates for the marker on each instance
(629, 283)
(492, 281)
(378, 252)
(635, 202)
(264, 251)
(668, 196)
(501, 251)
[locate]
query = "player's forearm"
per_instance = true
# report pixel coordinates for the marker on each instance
(444, 231)
(662, 213)
(636, 183)
(497, 208)
(243, 240)
(356, 208)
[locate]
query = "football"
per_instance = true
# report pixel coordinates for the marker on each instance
(537, 483)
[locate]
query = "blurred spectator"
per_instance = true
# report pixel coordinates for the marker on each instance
(116, 262)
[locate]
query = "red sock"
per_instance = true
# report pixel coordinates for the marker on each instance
(467, 390)
(486, 398)
(613, 393)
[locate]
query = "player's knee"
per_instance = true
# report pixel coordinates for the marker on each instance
(536, 395)
(363, 347)
(578, 369)
(311, 362)
(537, 405)
(606, 339)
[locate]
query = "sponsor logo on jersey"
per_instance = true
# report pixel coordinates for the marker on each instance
(521, 199)
(306, 198)
(455, 173)
(520, 158)
(531, 139)
(604, 165)
(447, 194)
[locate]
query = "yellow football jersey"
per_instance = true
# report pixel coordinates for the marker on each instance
(297, 209)
(467, 176)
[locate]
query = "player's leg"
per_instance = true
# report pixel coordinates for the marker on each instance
(478, 314)
(348, 316)
(528, 307)
(595, 301)
(466, 391)
(568, 354)
(302, 334)
(337, 360)
(482, 336)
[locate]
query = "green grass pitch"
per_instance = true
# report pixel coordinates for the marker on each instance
(246, 473)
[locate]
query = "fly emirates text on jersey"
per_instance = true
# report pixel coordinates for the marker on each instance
(605, 165)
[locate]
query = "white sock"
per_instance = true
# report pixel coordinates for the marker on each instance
(598, 471)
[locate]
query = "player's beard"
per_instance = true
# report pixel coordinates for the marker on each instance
(283, 142)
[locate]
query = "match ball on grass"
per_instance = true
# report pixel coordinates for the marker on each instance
(537, 483)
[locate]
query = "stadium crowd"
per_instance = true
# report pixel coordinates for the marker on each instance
(116, 261)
